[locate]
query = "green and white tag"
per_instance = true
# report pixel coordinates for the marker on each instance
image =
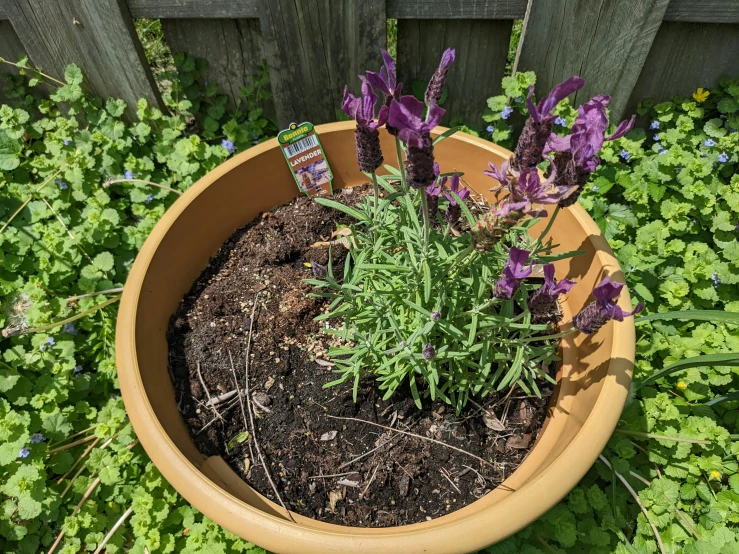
(306, 159)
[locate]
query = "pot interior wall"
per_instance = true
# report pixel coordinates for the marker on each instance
(250, 184)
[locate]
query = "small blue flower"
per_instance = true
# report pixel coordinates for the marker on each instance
(490, 129)
(67, 142)
(709, 142)
(507, 111)
(228, 145)
(561, 121)
(656, 137)
(78, 371)
(24, 452)
(659, 147)
(664, 151)
(129, 174)
(49, 342)
(716, 280)
(654, 124)
(624, 155)
(149, 199)
(37, 438)
(723, 157)
(69, 328)
(518, 99)
(61, 184)
(596, 188)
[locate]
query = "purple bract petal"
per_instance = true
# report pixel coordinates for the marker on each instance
(406, 115)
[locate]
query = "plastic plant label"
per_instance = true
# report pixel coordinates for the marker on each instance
(306, 159)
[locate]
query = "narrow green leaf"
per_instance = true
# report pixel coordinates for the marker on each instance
(356, 214)
(562, 256)
(724, 398)
(706, 360)
(426, 281)
(714, 316)
(446, 134)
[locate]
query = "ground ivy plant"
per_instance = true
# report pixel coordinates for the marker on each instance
(82, 189)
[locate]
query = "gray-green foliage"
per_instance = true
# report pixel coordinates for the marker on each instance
(390, 286)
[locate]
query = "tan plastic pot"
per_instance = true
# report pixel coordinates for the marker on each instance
(593, 381)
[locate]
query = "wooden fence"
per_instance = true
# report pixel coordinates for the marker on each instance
(629, 49)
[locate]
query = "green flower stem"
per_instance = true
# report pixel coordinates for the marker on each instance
(34, 70)
(426, 221)
(401, 168)
(548, 228)
(377, 195)
(547, 337)
(65, 321)
(165, 187)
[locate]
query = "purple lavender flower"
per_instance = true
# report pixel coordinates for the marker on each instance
(48, 343)
(538, 126)
(429, 352)
(435, 315)
(436, 84)
(407, 116)
(24, 452)
(526, 190)
(149, 199)
(62, 184)
(432, 195)
(367, 137)
(387, 84)
(723, 157)
(709, 142)
(454, 211)
(576, 156)
(69, 328)
(130, 174)
(543, 303)
(506, 113)
(37, 438)
(654, 124)
(514, 272)
(227, 144)
(604, 308)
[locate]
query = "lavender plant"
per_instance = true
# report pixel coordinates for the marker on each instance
(436, 299)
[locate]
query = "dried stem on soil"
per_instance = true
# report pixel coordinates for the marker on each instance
(414, 435)
(207, 392)
(350, 462)
(113, 530)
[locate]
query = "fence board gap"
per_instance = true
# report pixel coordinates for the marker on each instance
(232, 48)
(481, 47)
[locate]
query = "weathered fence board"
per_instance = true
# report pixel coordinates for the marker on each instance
(603, 41)
(314, 48)
(481, 47)
(706, 11)
(187, 9)
(97, 35)
(232, 48)
(459, 9)
(11, 49)
(686, 56)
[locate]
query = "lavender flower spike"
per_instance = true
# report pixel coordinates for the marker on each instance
(603, 309)
(406, 115)
(576, 156)
(514, 272)
(530, 190)
(454, 212)
(362, 110)
(543, 303)
(538, 126)
(432, 194)
(436, 84)
(387, 84)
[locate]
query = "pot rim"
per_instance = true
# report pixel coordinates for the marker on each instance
(537, 495)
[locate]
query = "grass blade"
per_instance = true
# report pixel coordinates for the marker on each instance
(706, 360)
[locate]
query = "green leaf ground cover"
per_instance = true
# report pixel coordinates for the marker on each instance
(671, 218)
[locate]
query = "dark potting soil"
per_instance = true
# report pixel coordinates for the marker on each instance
(335, 470)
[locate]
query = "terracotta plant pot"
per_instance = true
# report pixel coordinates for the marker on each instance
(593, 381)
